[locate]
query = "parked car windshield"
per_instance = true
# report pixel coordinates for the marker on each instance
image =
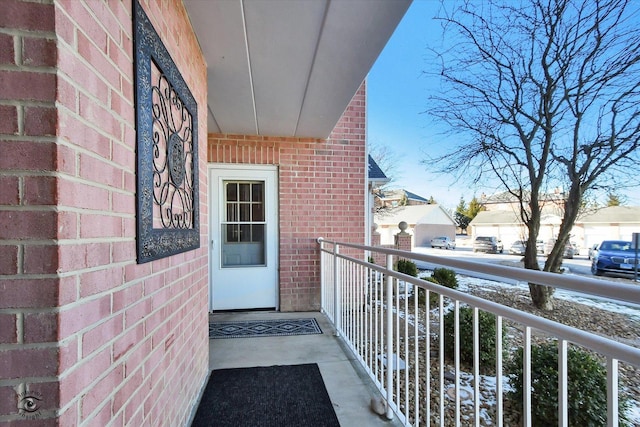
(617, 246)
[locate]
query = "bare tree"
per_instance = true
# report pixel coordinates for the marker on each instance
(386, 159)
(542, 93)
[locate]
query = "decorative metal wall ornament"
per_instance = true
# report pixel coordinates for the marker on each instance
(168, 220)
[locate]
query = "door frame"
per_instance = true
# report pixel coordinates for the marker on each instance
(274, 253)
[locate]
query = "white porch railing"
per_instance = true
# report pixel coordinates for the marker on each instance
(392, 338)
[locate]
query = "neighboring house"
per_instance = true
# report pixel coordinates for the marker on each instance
(97, 337)
(610, 223)
(376, 178)
(424, 222)
(395, 198)
(615, 222)
(506, 201)
(508, 227)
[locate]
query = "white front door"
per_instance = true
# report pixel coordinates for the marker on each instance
(244, 237)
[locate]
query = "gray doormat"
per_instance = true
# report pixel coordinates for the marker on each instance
(264, 328)
(272, 396)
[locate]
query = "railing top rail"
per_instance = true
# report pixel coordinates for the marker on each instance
(586, 285)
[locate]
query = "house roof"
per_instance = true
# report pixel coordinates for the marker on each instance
(414, 214)
(608, 215)
(375, 173)
(288, 68)
(495, 217)
(414, 196)
(398, 194)
(506, 197)
(615, 214)
(509, 217)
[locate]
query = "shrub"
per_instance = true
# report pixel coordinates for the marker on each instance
(441, 276)
(487, 336)
(422, 293)
(587, 387)
(407, 267)
(445, 277)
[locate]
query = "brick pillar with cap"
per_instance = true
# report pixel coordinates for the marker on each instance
(378, 258)
(403, 239)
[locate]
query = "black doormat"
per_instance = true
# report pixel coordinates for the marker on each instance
(264, 328)
(273, 396)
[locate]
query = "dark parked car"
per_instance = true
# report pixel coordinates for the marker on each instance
(613, 256)
(489, 244)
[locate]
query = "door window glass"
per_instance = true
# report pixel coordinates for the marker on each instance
(243, 227)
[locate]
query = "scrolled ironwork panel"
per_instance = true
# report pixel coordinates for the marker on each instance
(167, 150)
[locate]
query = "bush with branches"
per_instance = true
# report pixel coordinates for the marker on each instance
(587, 387)
(441, 276)
(487, 336)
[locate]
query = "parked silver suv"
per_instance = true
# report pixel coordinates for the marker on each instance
(489, 244)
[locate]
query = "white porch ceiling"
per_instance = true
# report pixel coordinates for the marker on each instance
(288, 67)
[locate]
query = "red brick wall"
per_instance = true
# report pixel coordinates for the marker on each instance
(321, 194)
(83, 326)
(28, 221)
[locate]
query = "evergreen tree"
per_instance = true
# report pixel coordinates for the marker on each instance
(474, 207)
(460, 215)
(613, 199)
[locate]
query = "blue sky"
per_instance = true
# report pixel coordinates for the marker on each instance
(397, 91)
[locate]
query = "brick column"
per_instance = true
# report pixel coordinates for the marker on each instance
(378, 258)
(403, 239)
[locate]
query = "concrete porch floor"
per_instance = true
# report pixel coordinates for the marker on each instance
(349, 387)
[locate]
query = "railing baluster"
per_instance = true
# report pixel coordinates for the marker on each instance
(389, 337)
(406, 349)
(350, 304)
(359, 307)
(376, 349)
(372, 319)
(323, 278)
(416, 359)
(337, 314)
(456, 358)
(563, 410)
(427, 359)
(396, 360)
(499, 392)
(380, 329)
(526, 393)
(441, 355)
(354, 305)
(612, 391)
(476, 367)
